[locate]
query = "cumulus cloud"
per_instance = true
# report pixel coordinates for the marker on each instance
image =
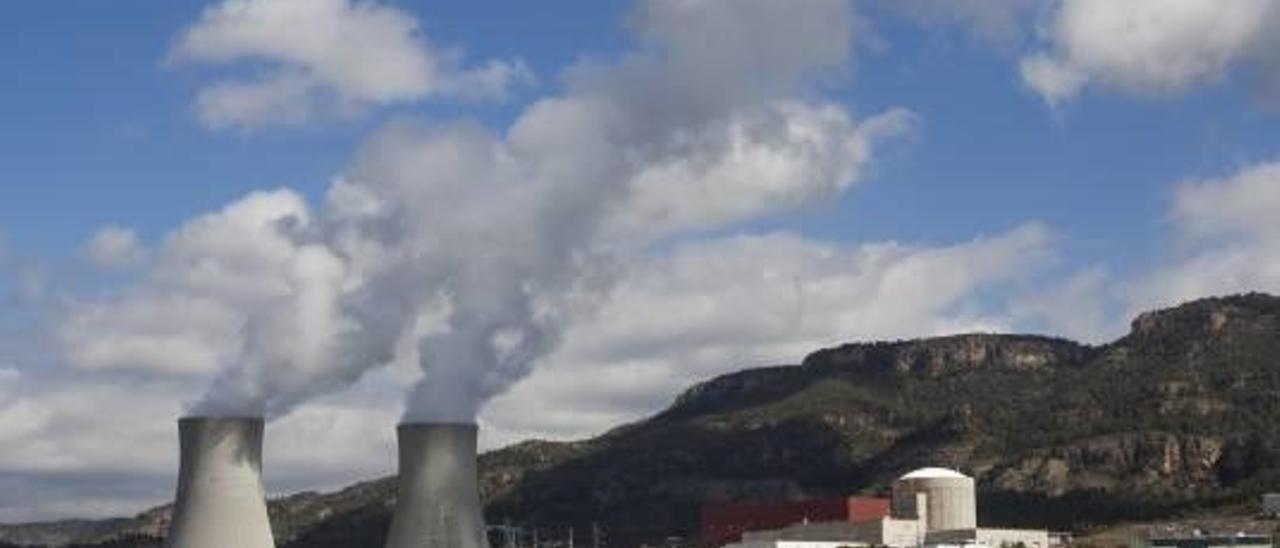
(1150, 47)
(311, 64)
(547, 197)
(717, 306)
(9, 378)
(706, 308)
(1229, 237)
(115, 247)
(1243, 205)
(1224, 240)
(66, 457)
(781, 157)
(1002, 23)
(1082, 306)
(236, 289)
(470, 252)
(502, 237)
(22, 280)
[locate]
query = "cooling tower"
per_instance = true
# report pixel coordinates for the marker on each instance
(221, 502)
(439, 501)
(949, 502)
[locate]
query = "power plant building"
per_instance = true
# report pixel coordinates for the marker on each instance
(723, 523)
(930, 507)
(950, 501)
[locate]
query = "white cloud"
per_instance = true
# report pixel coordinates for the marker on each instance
(1148, 47)
(9, 379)
(240, 289)
(998, 22)
(1229, 236)
(466, 251)
(115, 247)
(1056, 81)
(66, 457)
(717, 306)
(280, 99)
(775, 45)
(23, 281)
(324, 55)
(778, 158)
(1224, 239)
(282, 303)
(1081, 307)
(1243, 205)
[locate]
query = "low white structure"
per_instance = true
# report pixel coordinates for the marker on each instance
(895, 533)
(932, 507)
(221, 502)
(995, 538)
(830, 531)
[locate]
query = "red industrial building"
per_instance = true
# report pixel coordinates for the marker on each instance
(723, 523)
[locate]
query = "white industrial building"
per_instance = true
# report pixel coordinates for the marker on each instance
(930, 507)
(941, 499)
(878, 532)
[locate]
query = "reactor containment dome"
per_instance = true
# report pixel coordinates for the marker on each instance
(941, 499)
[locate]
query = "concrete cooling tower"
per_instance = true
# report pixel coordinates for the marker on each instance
(439, 500)
(943, 499)
(221, 502)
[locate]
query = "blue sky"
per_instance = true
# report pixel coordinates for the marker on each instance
(100, 129)
(198, 198)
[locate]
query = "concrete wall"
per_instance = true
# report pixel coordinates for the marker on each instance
(901, 533)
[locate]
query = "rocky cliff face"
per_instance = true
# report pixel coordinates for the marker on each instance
(1179, 414)
(953, 355)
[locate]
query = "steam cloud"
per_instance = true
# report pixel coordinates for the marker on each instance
(478, 245)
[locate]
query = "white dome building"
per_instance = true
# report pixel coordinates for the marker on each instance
(941, 499)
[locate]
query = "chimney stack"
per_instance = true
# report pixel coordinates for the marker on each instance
(221, 502)
(439, 500)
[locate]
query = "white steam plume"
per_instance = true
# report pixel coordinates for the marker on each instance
(498, 238)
